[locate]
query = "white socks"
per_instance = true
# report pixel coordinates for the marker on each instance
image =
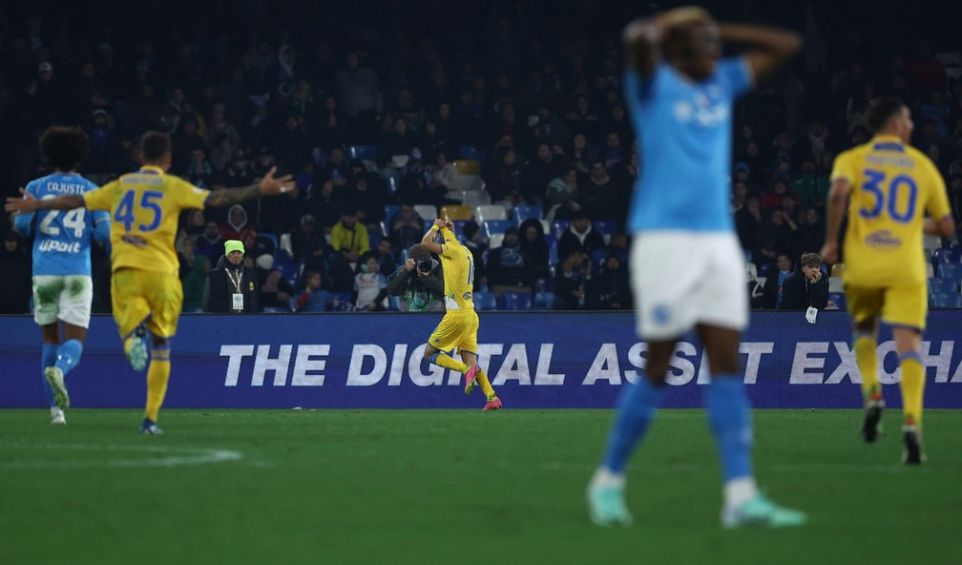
(603, 478)
(739, 491)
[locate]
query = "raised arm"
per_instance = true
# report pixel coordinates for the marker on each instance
(428, 240)
(642, 38)
(268, 186)
(770, 47)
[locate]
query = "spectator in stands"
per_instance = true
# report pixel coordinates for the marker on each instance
(193, 275)
(314, 298)
(775, 282)
(15, 265)
(609, 290)
(357, 85)
(324, 204)
(407, 227)
(756, 293)
(599, 196)
(503, 178)
(237, 225)
(308, 241)
(748, 223)
(811, 231)
(417, 186)
(397, 142)
(210, 242)
(368, 284)
(534, 248)
(368, 196)
(385, 256)
(275, 291)
(199, 171)
(507, 270)
(349, 236)
(232, 287)
(779, 189)
(537, 173)
(572, 280)
(561, 196)
(103, 143)
(777, 237)
(580, 236)
(806, 287)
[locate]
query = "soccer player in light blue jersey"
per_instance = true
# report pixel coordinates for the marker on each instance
(687, 268)
(62, 287)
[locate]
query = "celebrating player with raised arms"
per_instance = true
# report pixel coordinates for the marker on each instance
(888, 186)
(687, 267)
(459, 327)
(62, 287)
(146, 291)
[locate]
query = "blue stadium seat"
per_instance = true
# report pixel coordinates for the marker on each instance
(373, 238)
(951, 271)
(394, 303)
(605, 227)
(459, 227)
(514, 301)
(492, 227)
(287, 267)
(268, 238)
(559, 227)
(343, 302)
(552, 249)
(485, 301)
(522, 213)
(838, 299)
(389, 212)
(942, 285)
(275, 310)
(544, 301)
(945, 300)
(362, 152)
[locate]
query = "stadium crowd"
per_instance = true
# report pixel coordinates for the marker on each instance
(508, 121)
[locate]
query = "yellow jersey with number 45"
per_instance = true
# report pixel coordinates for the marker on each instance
(457, 264)
(892, 186)
(144, 209)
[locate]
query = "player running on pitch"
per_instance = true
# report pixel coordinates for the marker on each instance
(146, 291)
(687, 266)
(459, 327)
(887, 186)
(62, 287)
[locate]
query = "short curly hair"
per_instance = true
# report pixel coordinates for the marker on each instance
(64, 147)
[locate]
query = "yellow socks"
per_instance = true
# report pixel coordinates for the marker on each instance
(868, 366)
(157, 374)
(485, 385)
(448, 362)
(912, 386)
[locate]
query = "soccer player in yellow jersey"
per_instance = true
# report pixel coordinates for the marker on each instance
(146, 291)
(459, 327)
(887, 186)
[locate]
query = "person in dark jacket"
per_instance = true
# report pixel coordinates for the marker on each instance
(610, 289)
(15, 264)
(419, 282)
(806, 287)
(232, 288)
(580, 236)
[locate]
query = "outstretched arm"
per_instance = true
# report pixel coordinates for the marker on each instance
(268, 186)
(29, 203)
(771, 47)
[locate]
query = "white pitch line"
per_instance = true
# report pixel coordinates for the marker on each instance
(175, 456)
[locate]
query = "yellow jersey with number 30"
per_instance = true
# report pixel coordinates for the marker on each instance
(892, 186)
(144, 210)
(457, 263)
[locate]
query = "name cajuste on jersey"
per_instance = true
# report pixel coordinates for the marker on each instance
(59, 246)
(65, 188)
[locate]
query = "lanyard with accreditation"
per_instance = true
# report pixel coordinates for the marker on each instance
(237, 298)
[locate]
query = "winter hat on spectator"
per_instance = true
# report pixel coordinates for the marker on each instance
(232, 245)
(265, 261)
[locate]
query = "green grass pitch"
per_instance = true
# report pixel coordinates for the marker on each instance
(378, 486)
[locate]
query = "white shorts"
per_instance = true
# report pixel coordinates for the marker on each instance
(680, 279)
(62, 297)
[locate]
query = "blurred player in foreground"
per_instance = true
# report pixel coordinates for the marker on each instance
(459, 326)
(147, 295)
(687, 266)
(62, 287)
(887, 186)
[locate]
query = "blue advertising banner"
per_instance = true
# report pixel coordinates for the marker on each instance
(534, 360)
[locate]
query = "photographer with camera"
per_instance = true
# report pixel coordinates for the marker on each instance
(419, 282)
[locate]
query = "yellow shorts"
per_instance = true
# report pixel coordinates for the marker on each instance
(458, 330)
(897, 305)
(146, 297)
